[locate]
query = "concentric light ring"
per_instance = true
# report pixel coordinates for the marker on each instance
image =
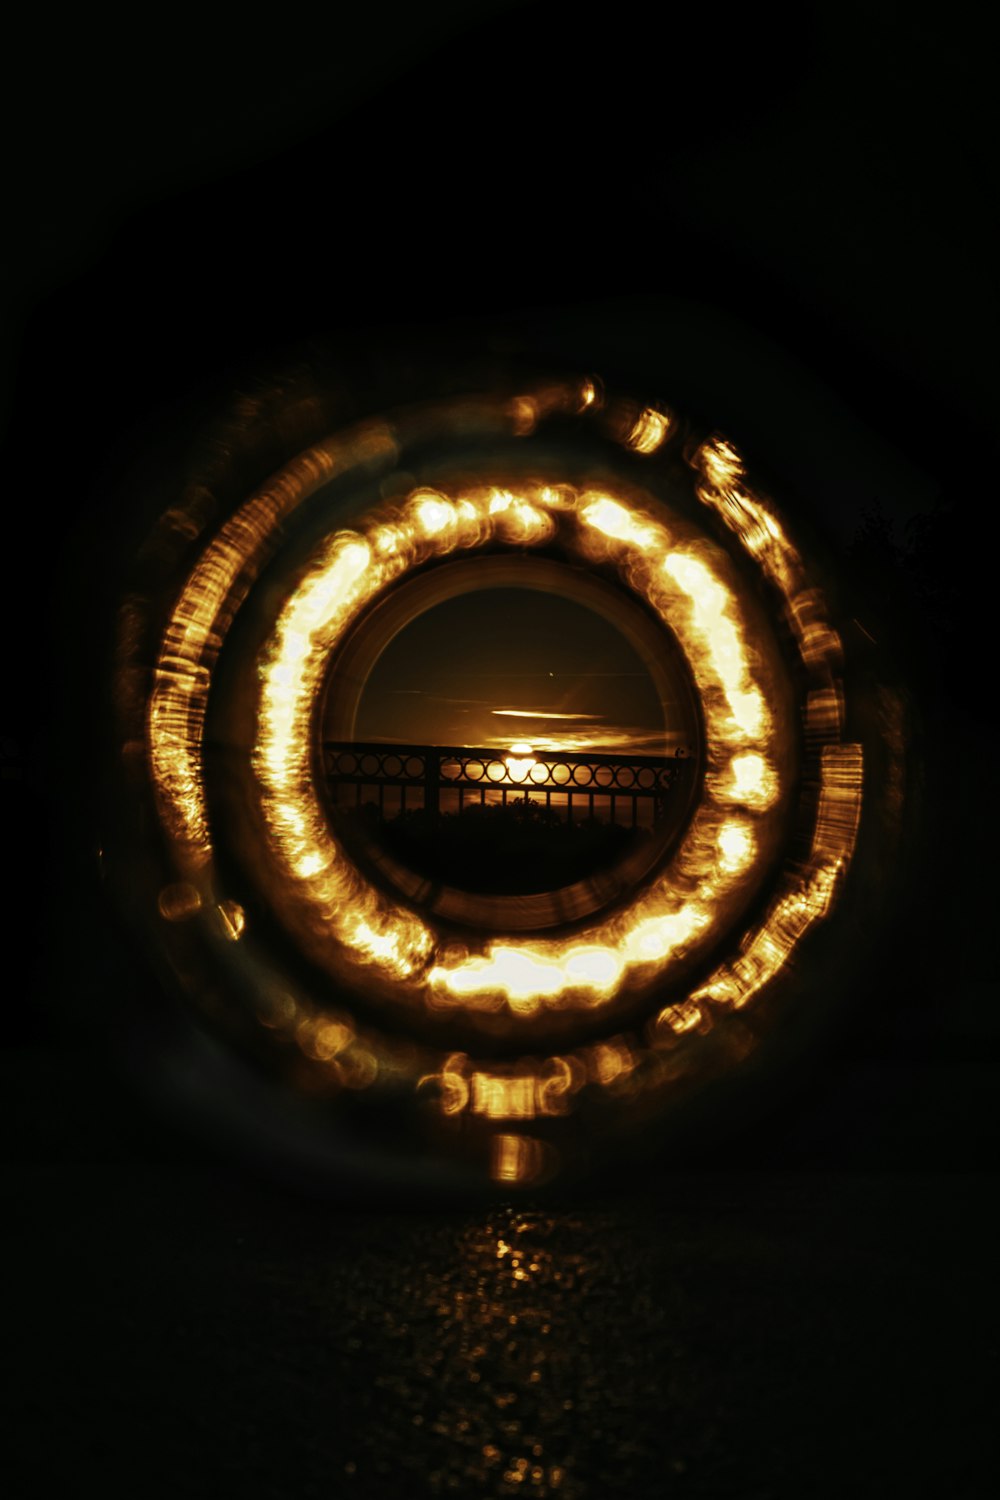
(349, 928)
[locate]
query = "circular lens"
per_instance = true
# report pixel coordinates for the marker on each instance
(499, 749)
(564, 677)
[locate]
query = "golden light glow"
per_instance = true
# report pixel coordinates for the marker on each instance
(725, 490)
(751, 782)
(524, 1091)
(809, 899)
(651, 430)
(232, 920)
(179, 901)
(203, 613)
(503, 1098)
(715, 621)
(516, 1159)
(346, 573)
(524, 415)
(735, 844)
(346, 925)
(677, 1019)
(618, 521)
(824, 712)
(527, 975)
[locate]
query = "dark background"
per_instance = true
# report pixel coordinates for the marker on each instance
(782, 225)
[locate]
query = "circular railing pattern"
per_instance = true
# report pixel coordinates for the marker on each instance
(454, 767)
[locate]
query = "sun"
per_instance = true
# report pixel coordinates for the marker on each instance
(520, 760)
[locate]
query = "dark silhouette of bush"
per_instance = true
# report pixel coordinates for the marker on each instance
(522, 848)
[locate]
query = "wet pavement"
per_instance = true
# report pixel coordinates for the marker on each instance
(753, 1336)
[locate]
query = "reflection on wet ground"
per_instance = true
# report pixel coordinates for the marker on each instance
(763, 1336)
(487, 1368)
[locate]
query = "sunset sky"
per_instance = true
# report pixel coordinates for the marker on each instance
(501, 666)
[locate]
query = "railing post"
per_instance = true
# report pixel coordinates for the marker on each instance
(432, 784)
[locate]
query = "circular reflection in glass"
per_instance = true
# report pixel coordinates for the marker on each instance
(256, 658)
(517, 690)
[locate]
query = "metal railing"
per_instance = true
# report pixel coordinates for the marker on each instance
(485, 777)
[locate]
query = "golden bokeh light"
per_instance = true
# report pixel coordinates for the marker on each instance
(336, 905)
(651, 430)
(679, 950)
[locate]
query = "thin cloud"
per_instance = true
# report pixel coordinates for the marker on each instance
(592, 737)
(434, 697)
(530, 713)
